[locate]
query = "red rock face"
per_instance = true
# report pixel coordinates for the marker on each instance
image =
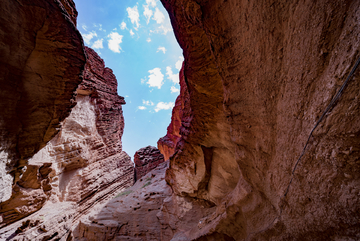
(42, 59)
(181, 112)
(84, 162)
(69, 7)
(101, 85)
(146, 159)
(259, 76)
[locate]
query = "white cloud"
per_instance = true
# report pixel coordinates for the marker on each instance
(87, 37)
(141, 107)
(174, 89)
(131, 32)
(84, 27)
(162, 29)
(148, 40)
(165, 29)
(99, 26)
(147, 13)
(147, 102)
(133, 14)
(164, 106)
(123, 25)
(98, 44)
(163, 49)
(114, 42)
(152, 3)
(155, 78)
(159, 17)
(179, 63)
(171, 76)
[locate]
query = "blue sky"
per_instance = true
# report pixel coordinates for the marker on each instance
(136, 41)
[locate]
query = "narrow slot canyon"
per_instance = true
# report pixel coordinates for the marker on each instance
(263, 141)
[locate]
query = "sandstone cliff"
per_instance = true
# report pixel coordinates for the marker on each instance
(82, 165)
(246, 162)
(259, 77)
(42, 59)
(146, 159)
(180, 116)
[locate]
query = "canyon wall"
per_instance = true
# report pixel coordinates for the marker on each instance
(256, 157)
(61, 104)
(260, 74)
(180, 115)
(252, 154)
(42, 59)
(146, 159)
(83, 165)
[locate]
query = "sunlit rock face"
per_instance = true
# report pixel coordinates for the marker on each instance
(259, 75)
(149, 210)
(146, 159)
(181, 111)
(42, 59)
(84, 163)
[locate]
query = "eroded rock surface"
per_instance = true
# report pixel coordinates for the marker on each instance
(149, 210)
(42, 59)
(181, 114)
(259, 76)
(82, 165)
(145, 160)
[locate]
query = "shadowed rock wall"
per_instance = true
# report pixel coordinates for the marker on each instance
(259, 75)
(84, 163)
(42, 59)
(82, 166)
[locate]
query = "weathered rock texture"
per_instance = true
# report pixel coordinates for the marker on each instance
(83, 164)
(146, 159)
(181, 111)
(149, 210)
(259, 75)
(42, 59)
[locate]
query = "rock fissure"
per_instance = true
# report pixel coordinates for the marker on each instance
(328, 108)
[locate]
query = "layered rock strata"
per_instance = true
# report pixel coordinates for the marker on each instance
(146, 159)
(149, 210)
(42, 59)
(83, 164)
(259, 76)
